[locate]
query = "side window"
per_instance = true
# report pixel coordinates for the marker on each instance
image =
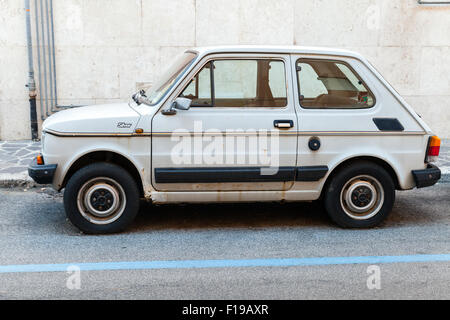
(199, 89)
(235, 83)
(277, 81)
(239, 83)
(326, 84)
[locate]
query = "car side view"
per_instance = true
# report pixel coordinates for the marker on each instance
(243, 123)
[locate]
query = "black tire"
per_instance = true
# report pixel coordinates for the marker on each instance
(355, 184)
(112, 184)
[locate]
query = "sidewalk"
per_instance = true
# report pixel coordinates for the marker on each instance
(16, 155)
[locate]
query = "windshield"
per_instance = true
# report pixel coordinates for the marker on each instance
(169, 78)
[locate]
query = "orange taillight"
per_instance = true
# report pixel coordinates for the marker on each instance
(40, 160)
(434, 146)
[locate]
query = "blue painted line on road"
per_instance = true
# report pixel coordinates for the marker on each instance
(239, 263)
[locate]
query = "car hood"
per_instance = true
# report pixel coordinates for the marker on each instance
(106, 118)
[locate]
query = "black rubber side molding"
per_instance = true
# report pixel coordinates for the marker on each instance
(239, 174)
(388, 124)
(312, 173)
(217, 175)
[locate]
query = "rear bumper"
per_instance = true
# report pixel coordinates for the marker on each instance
(426, 177)
(42, 174)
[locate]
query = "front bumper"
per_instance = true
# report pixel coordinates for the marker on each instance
(426, 177)
(42, 174)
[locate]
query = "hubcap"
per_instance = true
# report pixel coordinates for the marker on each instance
(362, 197)
(101, 200)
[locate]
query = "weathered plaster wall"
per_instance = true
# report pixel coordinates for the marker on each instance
(105, 47)
(14, 106)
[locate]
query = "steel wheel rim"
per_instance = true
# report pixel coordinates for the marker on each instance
(362, 197)
(101, 200)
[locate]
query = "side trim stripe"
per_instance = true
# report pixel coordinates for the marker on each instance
(281, 133)
(96, 134)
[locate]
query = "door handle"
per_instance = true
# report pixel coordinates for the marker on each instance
(283, 124)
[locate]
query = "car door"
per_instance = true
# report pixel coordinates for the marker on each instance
(336, 108)
(239, 134)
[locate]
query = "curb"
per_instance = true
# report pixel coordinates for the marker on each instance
(14, 180)
(15, 183)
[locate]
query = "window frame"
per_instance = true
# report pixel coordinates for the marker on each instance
(186, 69)
(211, 83)
(213, 98)
(369, 90)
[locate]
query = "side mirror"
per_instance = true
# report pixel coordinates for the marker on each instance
(139, 97)
(180, 104)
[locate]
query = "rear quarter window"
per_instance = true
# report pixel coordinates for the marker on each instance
(330, 84)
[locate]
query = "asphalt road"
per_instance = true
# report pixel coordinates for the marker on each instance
(34, 230)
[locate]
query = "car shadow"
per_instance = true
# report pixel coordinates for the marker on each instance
(412, 208)
(230, 215)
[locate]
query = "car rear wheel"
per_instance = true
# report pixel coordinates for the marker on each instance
(101, 198)
(360, 195)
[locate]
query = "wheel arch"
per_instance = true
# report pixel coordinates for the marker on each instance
(104, 156)
(381, 162)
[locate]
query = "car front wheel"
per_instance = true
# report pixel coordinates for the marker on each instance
(101, 198)
(360, 195)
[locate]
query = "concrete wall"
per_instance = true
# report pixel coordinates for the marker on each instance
(14, 106)
(106, 47)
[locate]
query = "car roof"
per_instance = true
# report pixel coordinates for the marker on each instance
(276, 49)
